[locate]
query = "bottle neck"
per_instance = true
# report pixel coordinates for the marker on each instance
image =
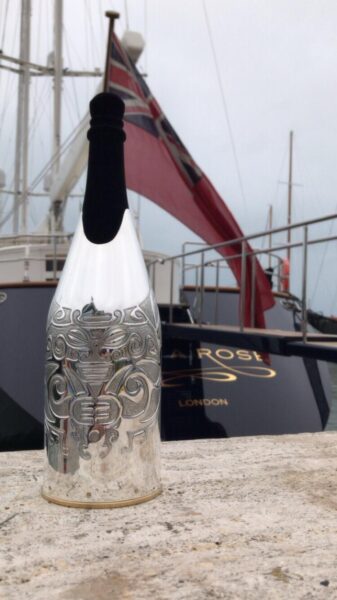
(105, 197)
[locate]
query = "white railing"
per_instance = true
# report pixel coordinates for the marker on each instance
(243, 254)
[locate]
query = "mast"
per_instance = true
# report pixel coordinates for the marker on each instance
(58, 67)
(290, 188)
(21, 145)
(57, 216)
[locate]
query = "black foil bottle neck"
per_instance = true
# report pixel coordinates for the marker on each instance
(105, 197)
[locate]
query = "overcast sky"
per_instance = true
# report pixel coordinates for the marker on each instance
(278, 71)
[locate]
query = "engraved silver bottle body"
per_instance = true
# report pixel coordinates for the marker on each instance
(103, 377)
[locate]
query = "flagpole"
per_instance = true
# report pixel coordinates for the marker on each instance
(112, 16)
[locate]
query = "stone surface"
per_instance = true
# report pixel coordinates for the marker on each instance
(240, 518)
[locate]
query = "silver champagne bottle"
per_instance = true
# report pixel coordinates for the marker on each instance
(103, 345)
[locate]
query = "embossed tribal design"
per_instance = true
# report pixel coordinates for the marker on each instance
(101, 369)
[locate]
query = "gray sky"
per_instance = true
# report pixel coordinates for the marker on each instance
(277, 62)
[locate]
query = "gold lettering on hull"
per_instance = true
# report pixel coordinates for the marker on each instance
(218, 367)
(193, 402)
(226, 354)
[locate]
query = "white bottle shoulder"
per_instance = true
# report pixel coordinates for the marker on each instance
(113, 276)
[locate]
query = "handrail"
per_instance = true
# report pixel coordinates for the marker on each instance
(257, 251)
(253, 236)
(244, 254)
(35, 236)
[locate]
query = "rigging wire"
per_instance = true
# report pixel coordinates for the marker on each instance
(95, 50)
(224, 103)
(145, 36)
(276, 201)
(317, 206)
(126, 14)
(10, 80)
(101, 21)
(334, 301)
(48, 21)
(64, 147)
(69, 108)
(67, 48)
(38, 100)
(41, 102)
(38, 37)
(320, 268)
(4, 26)
(315, 196)
(87, 37)
(8, 104)
(265, 229)
(71, 46)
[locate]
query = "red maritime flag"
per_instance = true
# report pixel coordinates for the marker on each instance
(159, 167)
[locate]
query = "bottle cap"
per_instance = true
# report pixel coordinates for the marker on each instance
(107, 111)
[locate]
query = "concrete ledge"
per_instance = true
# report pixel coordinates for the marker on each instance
(243, 518)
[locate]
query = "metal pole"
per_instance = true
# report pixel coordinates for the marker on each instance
(25, 124)
(1, 208)
(54, 258)
(22, 109)
(202, 285)
(290, 188)
(270, 236)
(183, 272)
(154, 276)
(58, 67)
(253, 298)
(216, 316)
(58, 70)
(243, 285)
(26, 264)
(138, 215)
(279, 276)
(304, 284)
(171, 292)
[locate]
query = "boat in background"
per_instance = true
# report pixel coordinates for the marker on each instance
(209, 390)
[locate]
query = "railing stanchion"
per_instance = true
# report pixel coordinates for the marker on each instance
(253, 292)
(154, 276)
(26, 264)
(171, 291)
(183, 271)
(216, 309)
(202, 285)
(243, 285)
(304, 283)
(279, 263)
(54, 257)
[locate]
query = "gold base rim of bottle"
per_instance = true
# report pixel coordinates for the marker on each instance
(113, 504)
